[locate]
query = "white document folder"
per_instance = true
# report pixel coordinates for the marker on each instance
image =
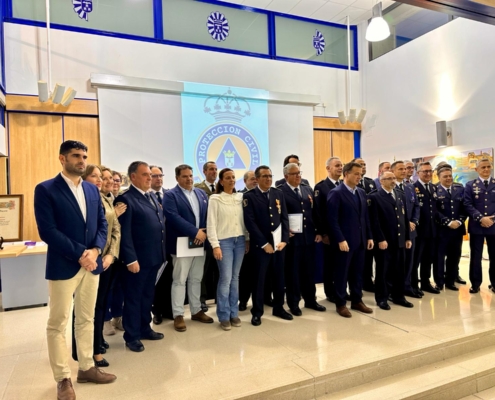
(183, 249)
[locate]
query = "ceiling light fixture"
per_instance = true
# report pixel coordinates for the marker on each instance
(378, 28)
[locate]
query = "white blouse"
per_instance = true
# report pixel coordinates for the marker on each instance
(225, 218)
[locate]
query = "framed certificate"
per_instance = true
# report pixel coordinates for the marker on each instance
(11, 207)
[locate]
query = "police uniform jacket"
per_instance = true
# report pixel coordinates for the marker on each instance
(301, 205)
(450, 207)
(320, 218)
(412, 206)
(262, 216)
(388, 217)
(479, 202)
(367, 184)
(282, 181)
(427, 210)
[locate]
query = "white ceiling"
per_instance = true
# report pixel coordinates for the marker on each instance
(323, 10)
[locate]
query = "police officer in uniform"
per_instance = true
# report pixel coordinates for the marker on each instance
(479, 201)
(391, 233)
(300, 256)
(264, 213)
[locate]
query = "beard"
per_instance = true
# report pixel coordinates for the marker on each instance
(73, 170)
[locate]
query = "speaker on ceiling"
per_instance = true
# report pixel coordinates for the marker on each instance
(444, 135)
(342, 117)
(42, 91)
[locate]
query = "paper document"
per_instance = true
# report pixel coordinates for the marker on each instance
(277, 237)
(296, 223)
(183, 249)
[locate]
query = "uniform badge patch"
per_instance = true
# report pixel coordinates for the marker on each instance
(279, 207)
(245, 202)
(317, 192)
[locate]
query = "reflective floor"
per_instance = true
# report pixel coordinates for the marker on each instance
(206, 362)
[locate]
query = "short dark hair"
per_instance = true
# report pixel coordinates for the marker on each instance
(69, 145)
(349, 166)
(133, 167)
(357, 158)
(382, 164)
(443, 169)
(117, 173)
(156, 166)
(205, 165)
(181, 168)
(419, 165)
(286, 159)
(257, 172)
(394, 164)
(219, 187)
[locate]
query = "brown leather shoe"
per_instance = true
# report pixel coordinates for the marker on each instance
(361, 307)
(343, 311)
(179, 324)
(202, 317)
(65, 391)
(94, 375)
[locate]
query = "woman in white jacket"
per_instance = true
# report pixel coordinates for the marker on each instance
(230, 241)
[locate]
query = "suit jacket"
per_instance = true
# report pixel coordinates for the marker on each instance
(112, 245)
(61, 225)
(427, 210)
(180, 219)
(479, 202)
(301, 205)
(142, 229)
(282, 181)
(262, 217)
(348, 221)
(368, 184)
(412, 206)
(204, 186)
(388, 217)
(321, 192)
(450, 208)
(378, 185)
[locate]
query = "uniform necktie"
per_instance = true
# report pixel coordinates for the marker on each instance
(159, 197)
(392, 194)
(148, 196)
(337, 183)
(401, 186)
(486, 184)
(448, 191)
(297, 192)
(212, 188)
(361, 182)
(428, 188)
(266, 195)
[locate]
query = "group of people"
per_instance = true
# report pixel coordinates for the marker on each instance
(107, 248)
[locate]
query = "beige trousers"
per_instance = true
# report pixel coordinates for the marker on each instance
(83, 288)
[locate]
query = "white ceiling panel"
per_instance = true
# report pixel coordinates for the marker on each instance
(328, 11)
(283, 6)
(256, 3)
(307, 7)
(353, 13)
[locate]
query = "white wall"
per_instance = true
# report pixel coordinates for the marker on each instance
(446, 74)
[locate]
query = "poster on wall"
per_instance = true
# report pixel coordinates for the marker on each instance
(463, 163)
(11, 217)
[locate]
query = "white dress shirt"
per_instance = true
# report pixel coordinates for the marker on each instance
(78, 192)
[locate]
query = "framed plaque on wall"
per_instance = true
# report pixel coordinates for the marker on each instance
(11, 211)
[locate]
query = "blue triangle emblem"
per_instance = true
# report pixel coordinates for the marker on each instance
(229, 157)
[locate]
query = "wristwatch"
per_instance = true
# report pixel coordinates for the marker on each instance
(99, 250)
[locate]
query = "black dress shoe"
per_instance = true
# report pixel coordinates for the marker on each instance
(404, 303)
(315, 306)
(439, 287)
(106, 345)
(242, 306)
(420, 292)
(204, 307)
(331, 299)
(135, 345)
(157, 319)
(460, 281)
(412, 293)
(153, 336)
(283, 314)
(296, 311)
(269, 303)
(256, 321)
(452, 287)
(474, 290)
(102, 363)
(383, 305)
(429, 289)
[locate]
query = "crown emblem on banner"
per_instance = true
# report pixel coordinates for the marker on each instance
(227, 107)
(229, 153)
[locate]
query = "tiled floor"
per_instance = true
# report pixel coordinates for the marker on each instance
(208, 363)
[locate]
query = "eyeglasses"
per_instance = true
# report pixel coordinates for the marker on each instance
(117, 180)
(409, 167)
(266, 176)
(157, 176)
(295, 173)
(427, 171)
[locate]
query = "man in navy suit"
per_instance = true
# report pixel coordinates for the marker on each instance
(185, 211)
(71, 220)
(391, 233)
(424, 254)
(479, 200)
(264, 213)
(291, 158)
(350, 235)
(334, 170)
(450, 218)
(383, 167)
(300, 253)
(412, 210)
(142, 250)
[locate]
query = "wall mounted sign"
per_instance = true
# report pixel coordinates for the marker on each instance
(11, 207)
(218, 26)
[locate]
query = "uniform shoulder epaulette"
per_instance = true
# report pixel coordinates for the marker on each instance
(320, 182)
(373, 191)
(458, 184)
(303, 184)
(277, 188)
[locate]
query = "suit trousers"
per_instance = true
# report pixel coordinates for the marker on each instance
(348, 267)
(190, 270)
(82, 288)
(449, 250)
(368, 270)
(390, 271)
(328, 270)
(299, 274)
(246, 276)
(476, 246)
(115, 298)
(263, 262)
(162, 303)
(409, 254)
(139, 290)
(424, 256)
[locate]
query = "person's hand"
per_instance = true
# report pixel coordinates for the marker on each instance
(134, 267)
(318, 238)
(120, 209)
(281, 246)
(343, 246)
(383, 245)
(200, 237)
(325, 239)
(246, 247)
(268, 249)
(454, 225)
(412, 226)
(107, 261)
(88, 259)
(217, 253)
(487, 222)
(408, 244)
(291, 234)
(370, 244)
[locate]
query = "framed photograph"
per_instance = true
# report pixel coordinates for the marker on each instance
(11, 211)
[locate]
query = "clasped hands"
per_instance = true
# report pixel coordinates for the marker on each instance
(88, 259)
